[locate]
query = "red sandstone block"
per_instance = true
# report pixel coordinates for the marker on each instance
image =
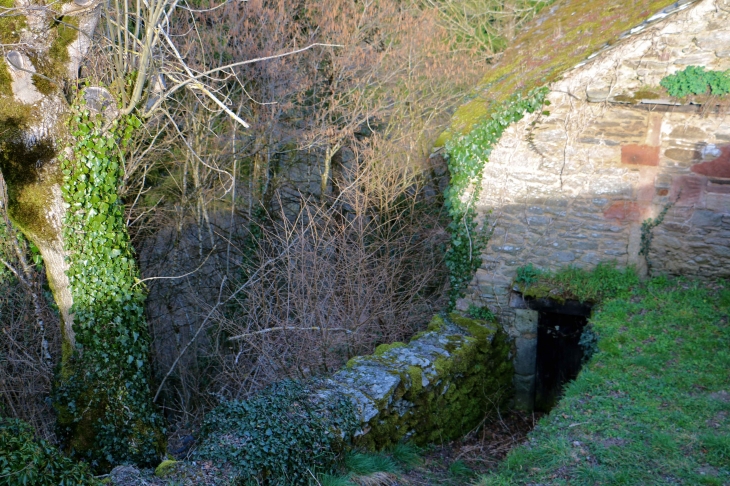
(719, 167)
(639, 155)
(625, 210)
(688, 190)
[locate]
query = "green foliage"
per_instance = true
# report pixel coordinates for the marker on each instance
(588, 342)
(367, 467)
(459, 469)
(364, 463)
(25, 460)
(483, 313)
(332, 480)
(573, 283)
(104, 399)
(407, 454)
(279, 435)
(695, 80)
(647, 234)
(651, 406)
(527, 275)
(466, 156)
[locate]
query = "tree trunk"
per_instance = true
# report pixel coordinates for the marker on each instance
(62, 167)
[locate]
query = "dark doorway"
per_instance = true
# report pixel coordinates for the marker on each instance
(559, 355)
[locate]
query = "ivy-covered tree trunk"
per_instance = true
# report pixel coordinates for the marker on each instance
(62, 164)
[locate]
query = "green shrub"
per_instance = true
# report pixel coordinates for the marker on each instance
(24, 460)
(483, 313)
(281, 435)
(695, 80)
(527, 275)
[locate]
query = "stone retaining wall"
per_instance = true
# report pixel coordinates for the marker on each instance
(437, 387)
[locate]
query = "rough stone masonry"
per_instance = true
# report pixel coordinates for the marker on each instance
(575, 187)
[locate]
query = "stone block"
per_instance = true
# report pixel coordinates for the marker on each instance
(718, 202)
(625, 210)
(633, 154)
(538, 220)
(525, 356)
(706, 218)
(696, 59)
(591, 258)
(524, 392)
(564, 256)
(584, 245)
(526, 321)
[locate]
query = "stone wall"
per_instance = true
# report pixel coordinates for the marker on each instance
(437, 387)
(574, 187)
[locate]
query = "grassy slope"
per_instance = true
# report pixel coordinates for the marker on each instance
(566, 34)
(652, 407)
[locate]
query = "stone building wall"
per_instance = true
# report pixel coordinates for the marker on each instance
(574, 187)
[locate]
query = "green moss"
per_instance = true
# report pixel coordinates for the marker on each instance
(10, 26)
(165, 468)
(384, 348)
(53, 64)
(6, 88)
(643, 94)
(436, 324)
(572, 283)
(476, 327)
(561, 39)
(475, 376)
(416, 376)
(30, 175)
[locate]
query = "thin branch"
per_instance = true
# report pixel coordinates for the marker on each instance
(285, 328)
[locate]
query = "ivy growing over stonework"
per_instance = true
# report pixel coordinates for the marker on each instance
(103, 396)
(466, 156)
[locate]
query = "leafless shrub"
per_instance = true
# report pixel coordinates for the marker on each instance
(339, 278)
(315, 233)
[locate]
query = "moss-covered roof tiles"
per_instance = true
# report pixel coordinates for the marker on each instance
(556, 41)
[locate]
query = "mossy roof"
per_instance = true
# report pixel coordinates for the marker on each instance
(564, 35)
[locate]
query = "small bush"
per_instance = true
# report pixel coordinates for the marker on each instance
(695, 80)
(27, 461)
(279, 436)
(483, 313)
(528, 274)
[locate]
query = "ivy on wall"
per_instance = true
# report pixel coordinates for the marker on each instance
(466, 156)
(103, 397)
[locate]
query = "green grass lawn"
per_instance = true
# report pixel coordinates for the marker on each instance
(651, 407)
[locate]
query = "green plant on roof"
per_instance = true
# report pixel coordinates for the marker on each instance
(695, 80)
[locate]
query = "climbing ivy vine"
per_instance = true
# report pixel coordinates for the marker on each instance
(466, 156)
(103, 397)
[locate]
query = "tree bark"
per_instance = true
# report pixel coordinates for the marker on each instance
(103, 398)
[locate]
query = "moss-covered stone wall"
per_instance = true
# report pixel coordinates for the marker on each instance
(437, 387)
